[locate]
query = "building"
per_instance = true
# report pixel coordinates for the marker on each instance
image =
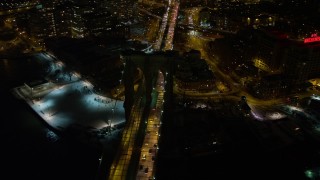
(302, 62)
(62, 15)
(99, 18)
(46, 18)
(78, 21)
(104, 25)
(122, 9)
(193, 74)
(270, 49)
(270, 86)
(206, 17)
(41, 21)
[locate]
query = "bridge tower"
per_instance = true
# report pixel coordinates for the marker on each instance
(150, 65)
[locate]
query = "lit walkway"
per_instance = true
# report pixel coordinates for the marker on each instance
(119, 167)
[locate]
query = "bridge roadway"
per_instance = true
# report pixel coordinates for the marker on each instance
(150, 144)
(120, 165)
(139, 140)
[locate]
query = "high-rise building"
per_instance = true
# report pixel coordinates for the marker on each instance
(79, 9)
(82, 10)
(62, 15)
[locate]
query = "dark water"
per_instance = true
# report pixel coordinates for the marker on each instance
(29, 148)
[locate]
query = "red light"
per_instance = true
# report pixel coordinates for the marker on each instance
(313, 38)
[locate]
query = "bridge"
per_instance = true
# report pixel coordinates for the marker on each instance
(143, 110)
(138, 148)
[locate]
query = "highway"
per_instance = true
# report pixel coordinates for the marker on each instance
(171, 28)
(162, 29)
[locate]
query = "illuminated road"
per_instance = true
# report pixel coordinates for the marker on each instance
(149, 148)
(171, 28)
(120, 165)
(168, 21)
(128, 147)
(162, 29)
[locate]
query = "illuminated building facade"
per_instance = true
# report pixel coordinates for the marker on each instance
(270, 50)
(79, 10)
(261, 20)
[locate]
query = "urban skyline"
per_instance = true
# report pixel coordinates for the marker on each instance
(159, 87)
